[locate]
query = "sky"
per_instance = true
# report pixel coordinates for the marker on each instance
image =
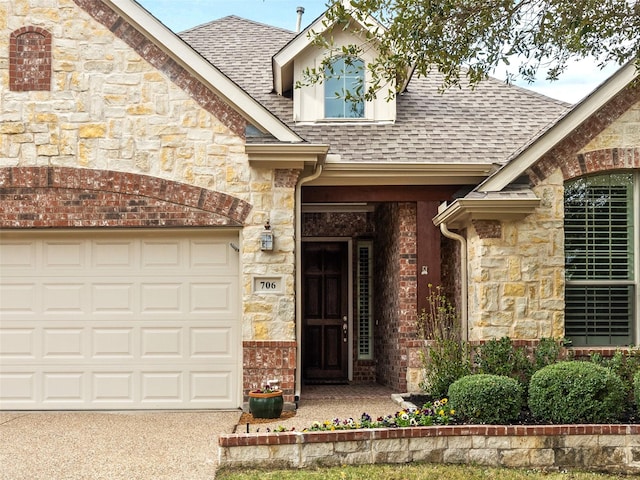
(577, 82)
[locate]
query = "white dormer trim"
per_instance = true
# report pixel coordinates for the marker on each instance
(204, 71)
(282, 62)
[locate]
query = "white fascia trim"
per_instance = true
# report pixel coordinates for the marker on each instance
(277, 155)
(369, 173)
(207, 73)
(462, 210)
(563, 127)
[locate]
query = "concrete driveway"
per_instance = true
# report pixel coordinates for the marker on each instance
(97, 445)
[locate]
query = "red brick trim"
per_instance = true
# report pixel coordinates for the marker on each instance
(60, 197)
(289, 438)
(265, 360)
(29, 59)
(286, 178)
(566, 151)
(601, 161)
(488, 228)
(202, 94)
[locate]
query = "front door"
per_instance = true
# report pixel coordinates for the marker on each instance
(325, 312)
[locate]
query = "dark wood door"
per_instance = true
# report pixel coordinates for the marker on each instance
(325, 315)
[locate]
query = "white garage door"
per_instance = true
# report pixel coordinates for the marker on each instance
(119, 320)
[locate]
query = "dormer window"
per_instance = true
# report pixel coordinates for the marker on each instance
(345, 80)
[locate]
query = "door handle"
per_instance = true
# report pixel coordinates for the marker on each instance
(345, 329)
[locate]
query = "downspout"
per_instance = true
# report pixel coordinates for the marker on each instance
(298, 246)
(464, 320)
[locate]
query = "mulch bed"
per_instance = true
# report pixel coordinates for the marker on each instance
(247, 418)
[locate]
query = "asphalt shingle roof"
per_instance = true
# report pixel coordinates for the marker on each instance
(484, 125)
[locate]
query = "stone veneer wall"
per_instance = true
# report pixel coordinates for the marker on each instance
(119, 107)
(612, 448)
(516, 282)
(516, 273)
(395, 302)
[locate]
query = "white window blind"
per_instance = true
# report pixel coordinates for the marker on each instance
(599, 259)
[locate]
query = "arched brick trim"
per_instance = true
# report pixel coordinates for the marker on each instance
(601, 161)
(563, 155)
(29, 59)
(160, 60)
(60, 197)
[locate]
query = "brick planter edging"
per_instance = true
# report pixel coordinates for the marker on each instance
(612, 448)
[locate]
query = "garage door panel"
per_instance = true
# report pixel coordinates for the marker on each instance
(65, 343)
(64, 298)
(113, 388)
(113, 344)
(113, 298)
(63, 387)
(212, 343)
(158, 254)
(122, 320)
(17, 298)
(17, 344)
(18, 388)
(20, 256)
(113, 255)
(65, 255)
(212, 297)
(162, 343)
(211, 387)
(159, 297)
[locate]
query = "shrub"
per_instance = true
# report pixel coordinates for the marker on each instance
(625, 364)
(446, 357)
(484, 398)
(576, 392)
(445, 361)
(636, 389)
(500, 357)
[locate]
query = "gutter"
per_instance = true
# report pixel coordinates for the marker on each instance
(464, 275)
(298, 246)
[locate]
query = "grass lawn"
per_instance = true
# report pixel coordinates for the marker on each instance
(408, 472)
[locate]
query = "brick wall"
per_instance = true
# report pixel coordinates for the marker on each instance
(60, 197)
(30, 59)
(269, 360)
(395, 301)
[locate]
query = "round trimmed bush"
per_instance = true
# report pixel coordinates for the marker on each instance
(576, 392)
(484, 398)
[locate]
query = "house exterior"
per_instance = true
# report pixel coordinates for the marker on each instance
(142, 175)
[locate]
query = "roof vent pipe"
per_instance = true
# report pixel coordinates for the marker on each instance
(299, 11)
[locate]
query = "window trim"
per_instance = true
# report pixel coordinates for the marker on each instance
(326, 97)
(369, 320)
(634, 279)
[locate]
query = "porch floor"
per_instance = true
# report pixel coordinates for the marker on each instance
(345, 392)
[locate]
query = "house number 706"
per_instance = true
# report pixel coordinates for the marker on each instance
(268, 285)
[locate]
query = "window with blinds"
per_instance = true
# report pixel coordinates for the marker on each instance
(365, 300)
(599, 260)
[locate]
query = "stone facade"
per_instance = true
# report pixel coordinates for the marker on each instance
(125, 137)
(516, 273)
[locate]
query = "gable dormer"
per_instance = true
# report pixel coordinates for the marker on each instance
(325, 101)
